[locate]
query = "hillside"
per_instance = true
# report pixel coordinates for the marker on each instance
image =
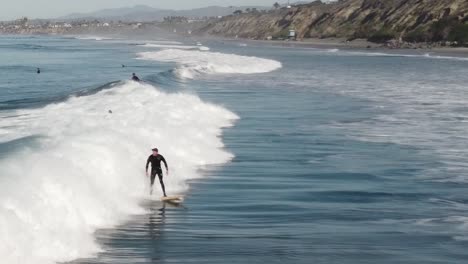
(376, 20)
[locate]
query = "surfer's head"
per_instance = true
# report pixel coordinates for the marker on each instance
(155, 151)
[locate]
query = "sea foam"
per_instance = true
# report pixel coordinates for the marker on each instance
(194, 63)
(86, 168)
(98, 38)
(174, 46)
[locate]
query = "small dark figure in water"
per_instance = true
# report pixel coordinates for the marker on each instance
(38, 70)
(123, 66)
(110, 111)
(135, 78)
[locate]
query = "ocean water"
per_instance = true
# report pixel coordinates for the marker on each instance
(284, 155)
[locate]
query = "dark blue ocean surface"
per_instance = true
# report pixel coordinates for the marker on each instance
(337, 157)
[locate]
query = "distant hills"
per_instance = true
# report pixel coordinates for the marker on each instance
(144, 13)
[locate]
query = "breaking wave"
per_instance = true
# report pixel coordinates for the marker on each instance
(78, 165)
(195, 63)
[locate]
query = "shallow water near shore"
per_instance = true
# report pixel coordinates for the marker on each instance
(323, 156)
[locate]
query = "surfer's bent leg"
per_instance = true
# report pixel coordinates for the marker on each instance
(162, 183)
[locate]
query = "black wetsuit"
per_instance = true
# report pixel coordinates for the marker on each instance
(135, 78)
(156, 169)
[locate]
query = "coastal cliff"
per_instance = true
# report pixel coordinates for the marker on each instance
(375, 20)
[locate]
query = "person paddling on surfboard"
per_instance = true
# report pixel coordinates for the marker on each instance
(155, 160)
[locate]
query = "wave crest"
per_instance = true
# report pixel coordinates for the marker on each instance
(194, 63)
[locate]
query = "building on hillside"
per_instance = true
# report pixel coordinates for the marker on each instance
(292, 34)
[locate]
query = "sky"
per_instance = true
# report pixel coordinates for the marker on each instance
(13, 9)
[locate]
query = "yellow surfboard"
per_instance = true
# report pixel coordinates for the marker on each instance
(173, 199)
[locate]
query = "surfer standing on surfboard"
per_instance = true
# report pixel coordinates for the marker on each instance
(155, 160)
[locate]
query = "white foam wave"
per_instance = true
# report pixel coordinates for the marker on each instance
(87, 170)
(171, 46)
(194, 63)
(460, 222)
(383, 54)
(93, 38)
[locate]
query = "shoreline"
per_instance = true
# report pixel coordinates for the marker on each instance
(339, 43)
(316, 43)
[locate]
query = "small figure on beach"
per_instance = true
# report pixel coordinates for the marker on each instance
(135, 78)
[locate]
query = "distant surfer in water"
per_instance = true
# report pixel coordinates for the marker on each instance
(155, 160)
(135, 78)
(38, 70)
